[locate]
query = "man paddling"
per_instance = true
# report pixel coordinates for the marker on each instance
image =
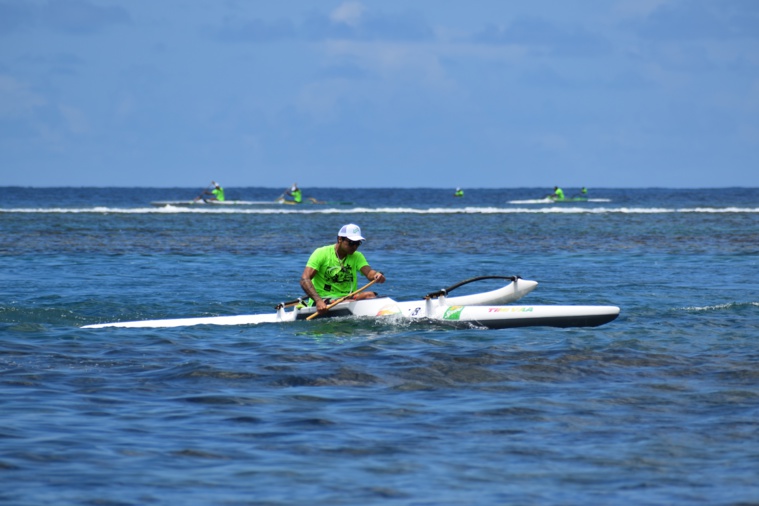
(295, 193)
(331, 271)
(558, 193)
(216, 194)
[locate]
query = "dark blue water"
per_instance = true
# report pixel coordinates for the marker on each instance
(660, 406)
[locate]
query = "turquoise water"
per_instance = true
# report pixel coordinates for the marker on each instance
(660, 406)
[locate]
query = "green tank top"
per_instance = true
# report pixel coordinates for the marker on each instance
(335, 278)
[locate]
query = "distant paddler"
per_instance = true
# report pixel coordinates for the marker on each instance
(295, 193)
(216, 194)
(583, 193)
(297, 196)
(558, 194)
(459, 193)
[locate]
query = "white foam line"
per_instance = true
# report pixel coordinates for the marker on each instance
(716, 307)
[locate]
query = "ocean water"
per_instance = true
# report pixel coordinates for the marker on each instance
(660, 406)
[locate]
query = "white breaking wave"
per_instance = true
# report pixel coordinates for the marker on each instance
(718, 307)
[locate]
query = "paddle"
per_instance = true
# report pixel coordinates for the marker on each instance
(204, 192)
(338, 301)
(282, 198)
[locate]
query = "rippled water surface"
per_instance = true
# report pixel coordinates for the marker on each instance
(660, 406)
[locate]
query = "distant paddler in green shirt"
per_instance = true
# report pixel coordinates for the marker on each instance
(331, 271)
(297, 196)
(459, 193)
(295, 193)
(216, 194)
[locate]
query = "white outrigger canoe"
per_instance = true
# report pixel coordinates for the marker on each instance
(485, 309)
(202, 202)
(243, 203)
(548, 200)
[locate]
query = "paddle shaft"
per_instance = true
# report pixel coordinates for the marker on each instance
(204, 191)
(283, 195)
(338, 301)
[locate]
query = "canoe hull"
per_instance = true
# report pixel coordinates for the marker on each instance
(487, 316)
(491, 317)
(369, 307)
(484, 310)
(243, 203)
(501, 317)
(201, 203)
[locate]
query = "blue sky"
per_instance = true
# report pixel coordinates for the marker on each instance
(365, 93)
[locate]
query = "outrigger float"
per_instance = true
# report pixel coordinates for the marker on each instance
(484, 310)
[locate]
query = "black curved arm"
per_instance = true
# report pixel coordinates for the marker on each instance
(446, 291)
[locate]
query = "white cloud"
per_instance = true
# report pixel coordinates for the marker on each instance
(125, 106)
(550, 142)
(16, 99)
(319, 100)
(75, 119)
(394, 62)
(349, 13)
(639, 8)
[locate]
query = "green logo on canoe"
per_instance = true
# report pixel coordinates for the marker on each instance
(453, 313)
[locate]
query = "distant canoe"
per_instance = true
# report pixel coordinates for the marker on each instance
(570, 199)
(313, 201)
(188, 203)
(549, 200)
(196, 203)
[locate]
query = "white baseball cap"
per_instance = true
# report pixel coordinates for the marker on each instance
(352, 232)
